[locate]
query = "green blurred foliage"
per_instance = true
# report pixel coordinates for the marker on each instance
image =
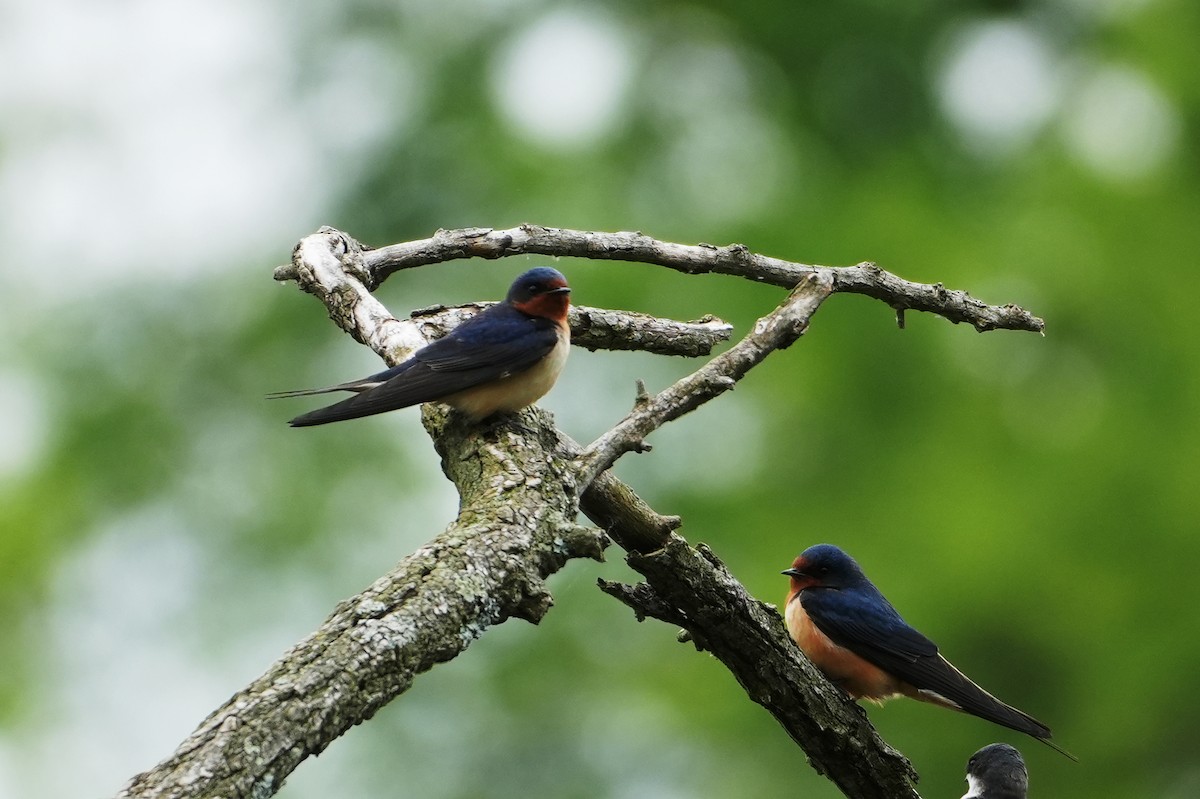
(1030, 503)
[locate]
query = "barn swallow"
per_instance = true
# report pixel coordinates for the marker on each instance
(857, 639)
(997, 771)
(503, 359)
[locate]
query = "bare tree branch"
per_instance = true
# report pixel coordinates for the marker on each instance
(329, 264)
(522, 483)
(601, 329)
(734, 259)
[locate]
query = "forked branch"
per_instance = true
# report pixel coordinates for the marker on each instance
(522, 483)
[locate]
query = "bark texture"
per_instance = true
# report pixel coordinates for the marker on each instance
(515, 528)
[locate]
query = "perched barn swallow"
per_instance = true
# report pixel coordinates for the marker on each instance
(997, 771)
(503, 359)
(857, 639)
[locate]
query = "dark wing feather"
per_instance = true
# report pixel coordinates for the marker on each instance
(362, 384)
(497, 343)
(864, 622)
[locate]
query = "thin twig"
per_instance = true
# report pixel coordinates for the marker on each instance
(777, 330)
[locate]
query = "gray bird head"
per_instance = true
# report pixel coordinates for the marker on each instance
(997, 771)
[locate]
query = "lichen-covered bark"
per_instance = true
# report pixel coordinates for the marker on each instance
(515, 528)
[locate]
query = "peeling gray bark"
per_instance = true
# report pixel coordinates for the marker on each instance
(521, 483)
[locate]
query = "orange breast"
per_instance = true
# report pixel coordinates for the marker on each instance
(848, 671)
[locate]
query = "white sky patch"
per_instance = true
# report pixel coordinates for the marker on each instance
(24, 425)
(1120, 125)
(998, 84)
(114, 605)
(563, 81)
(147, 139)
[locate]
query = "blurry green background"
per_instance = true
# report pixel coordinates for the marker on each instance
(1028, 502)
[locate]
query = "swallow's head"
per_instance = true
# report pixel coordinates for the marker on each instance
(541, 292)
(997, 770)
(823, 566)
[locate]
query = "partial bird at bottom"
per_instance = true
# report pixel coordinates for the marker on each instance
(997, 771)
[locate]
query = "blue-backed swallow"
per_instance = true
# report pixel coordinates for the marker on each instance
(857, 639)
(503, 359)
(997, 771)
